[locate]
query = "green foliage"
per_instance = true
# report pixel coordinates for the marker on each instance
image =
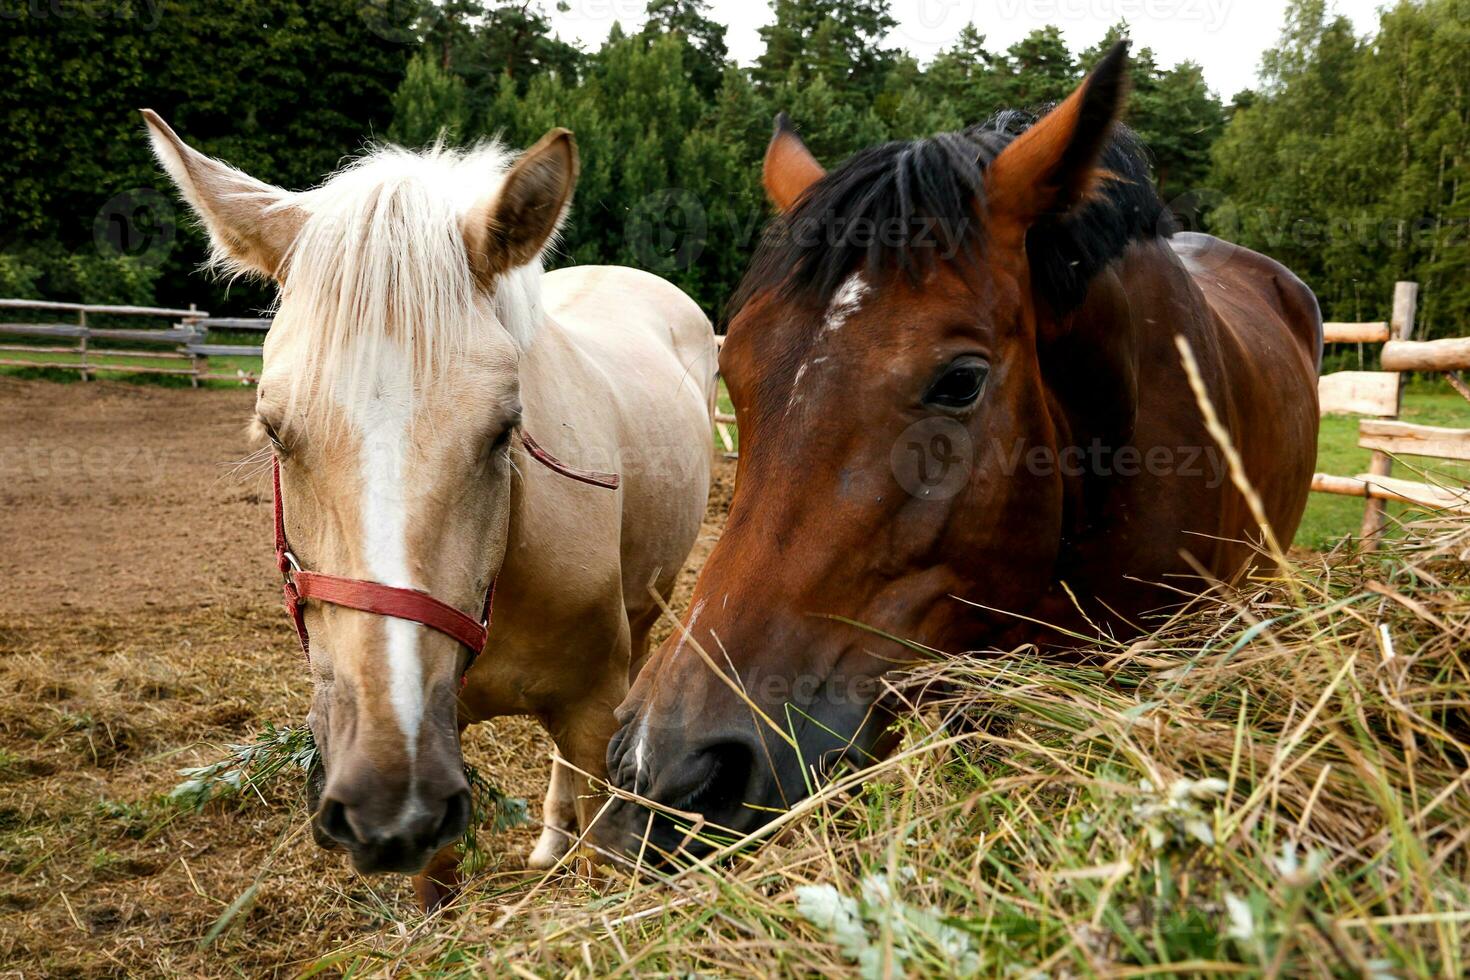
(705, 53)
(480, 43)
(430, 104)
(834, 40)
(280, 88)
(18, 277)
(84, 276)
(1351, 165)
(102, 279)
(247, 766)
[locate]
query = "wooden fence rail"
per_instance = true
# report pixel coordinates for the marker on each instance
(1380, 393)
(186, 341)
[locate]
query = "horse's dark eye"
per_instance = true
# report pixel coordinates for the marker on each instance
(273, 436)
(959, 385)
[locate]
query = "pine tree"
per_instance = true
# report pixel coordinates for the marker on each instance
(839, 41)
(429, 104)
(705, 51)
(969, 77)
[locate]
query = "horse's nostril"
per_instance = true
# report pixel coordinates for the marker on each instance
(456, 818)
(717, 777)
(333, 820)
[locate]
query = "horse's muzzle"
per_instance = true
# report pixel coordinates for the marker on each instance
(404, 846)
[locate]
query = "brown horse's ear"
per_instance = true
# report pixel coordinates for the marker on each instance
(1052, 167)
(511, 228)
(790, 167)
(251, 224)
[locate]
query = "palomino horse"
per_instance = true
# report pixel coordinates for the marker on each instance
(416, 346)
(954, 367)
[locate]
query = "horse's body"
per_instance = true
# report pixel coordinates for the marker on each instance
(981, 399)
(620, 378)
(417, 349)
(1255, 332)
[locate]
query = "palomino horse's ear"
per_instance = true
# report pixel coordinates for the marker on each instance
(512, 228)
(1052, 167)
(790, 167)
(251, 224)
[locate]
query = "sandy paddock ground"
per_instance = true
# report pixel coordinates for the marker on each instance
(140, 630)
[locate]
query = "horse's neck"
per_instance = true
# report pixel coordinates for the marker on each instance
(548, 367)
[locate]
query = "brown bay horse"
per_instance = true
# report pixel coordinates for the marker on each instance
(954, 368)
(416, 347)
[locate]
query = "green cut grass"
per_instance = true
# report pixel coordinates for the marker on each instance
(1330, 518)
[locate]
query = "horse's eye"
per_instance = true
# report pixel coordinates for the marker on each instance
(959, 385)
(272, 435)
(501, 440)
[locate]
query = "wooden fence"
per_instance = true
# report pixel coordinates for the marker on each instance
(180, 349)
(1376, 394)
(1379, 394)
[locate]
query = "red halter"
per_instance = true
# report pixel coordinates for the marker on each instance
(387, 600)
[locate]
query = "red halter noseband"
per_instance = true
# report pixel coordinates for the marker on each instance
(387, 600)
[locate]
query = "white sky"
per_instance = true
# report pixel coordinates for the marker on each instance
(1225, 36)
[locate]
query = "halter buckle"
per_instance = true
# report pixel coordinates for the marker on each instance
(291, 567)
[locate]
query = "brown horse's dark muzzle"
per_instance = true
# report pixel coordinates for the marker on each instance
(735, 780)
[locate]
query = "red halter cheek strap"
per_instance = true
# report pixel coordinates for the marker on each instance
(301, 586)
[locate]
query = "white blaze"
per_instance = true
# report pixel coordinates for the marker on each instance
(382, 422)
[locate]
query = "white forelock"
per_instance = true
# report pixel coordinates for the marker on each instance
(380, 267)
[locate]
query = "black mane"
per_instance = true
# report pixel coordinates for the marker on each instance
(908, 205)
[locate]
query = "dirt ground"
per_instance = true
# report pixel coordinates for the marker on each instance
(140, 630)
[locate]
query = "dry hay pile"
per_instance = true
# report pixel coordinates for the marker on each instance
(1274, 781)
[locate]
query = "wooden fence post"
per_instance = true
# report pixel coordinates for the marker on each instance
(1401, 327)
(82, 343)
(201, 364)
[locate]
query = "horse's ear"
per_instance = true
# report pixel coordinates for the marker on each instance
(511, 228)
(790, 167)
(1053, 166)
(251, 224)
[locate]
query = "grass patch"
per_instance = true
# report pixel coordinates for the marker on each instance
(1330, 518)
(1274, 782)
